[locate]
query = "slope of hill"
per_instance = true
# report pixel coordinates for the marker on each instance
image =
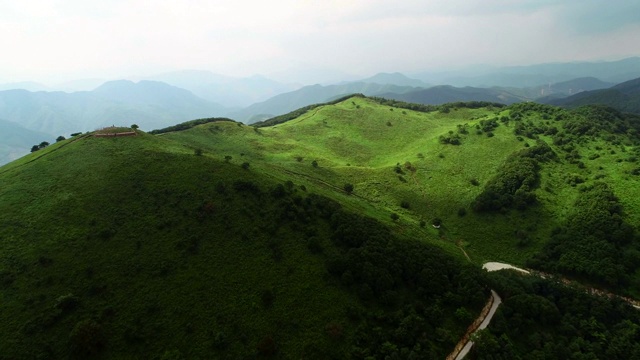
(447, 164)
(139, 246)
(339, 233)
(150, 104)
(622, 97)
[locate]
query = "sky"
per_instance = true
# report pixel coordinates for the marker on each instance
(59, 40)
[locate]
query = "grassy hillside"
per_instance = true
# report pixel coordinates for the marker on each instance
(343, 232)
(432, 166)
(138, 247)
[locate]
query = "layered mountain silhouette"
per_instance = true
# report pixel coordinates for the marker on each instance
(623, 97)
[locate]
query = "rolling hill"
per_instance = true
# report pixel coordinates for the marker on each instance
(352, 230)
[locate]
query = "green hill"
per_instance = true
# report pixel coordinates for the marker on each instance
(342, 231)
(138, 246)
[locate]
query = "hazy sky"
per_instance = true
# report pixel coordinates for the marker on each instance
(56, 40)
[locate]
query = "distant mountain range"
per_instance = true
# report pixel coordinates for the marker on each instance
(227, 90)
(623, 97)
(284, 103)
(150, 104)
(444, 94)
(536, 75)
(16, 141)
(166, 99)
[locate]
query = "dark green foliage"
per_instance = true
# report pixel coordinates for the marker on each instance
(245, 165)
(514, 185)
(348, 188)
(76, 134)
(394, 216)
(60, 138)
(540, 319)
(86, 339)
(462, 212)
(188, 125)
(376, 266)
(595, 242)
(314, 163)
(198, 152)
(405, 204)
(452, 139)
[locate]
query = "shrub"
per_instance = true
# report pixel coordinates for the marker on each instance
(348, 188)
(462, 212)
(86, 339)
(314, 163)
(267, 346)
(405, 204)
(245, 165)
(394, 216)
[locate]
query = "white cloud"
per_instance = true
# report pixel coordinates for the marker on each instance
(49, 39)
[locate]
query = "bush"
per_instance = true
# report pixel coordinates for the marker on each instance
(348, 188)
(245, 165)
(395, 217)
(86, 339)
(462, 212)
(314, 163)
(267, 346)
(405, 204)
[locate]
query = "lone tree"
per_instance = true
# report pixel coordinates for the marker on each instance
(35, 148)
(135, 127)
(348, 188)
(60, 138)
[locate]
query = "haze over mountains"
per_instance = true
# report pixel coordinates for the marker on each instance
(168, 98)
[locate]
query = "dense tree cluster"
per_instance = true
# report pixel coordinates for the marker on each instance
(515, 182)
(187, 125)
(595, 242)
(418, 285)
(540, 319)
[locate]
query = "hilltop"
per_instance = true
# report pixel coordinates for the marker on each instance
(213, 238)
(145, 246)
